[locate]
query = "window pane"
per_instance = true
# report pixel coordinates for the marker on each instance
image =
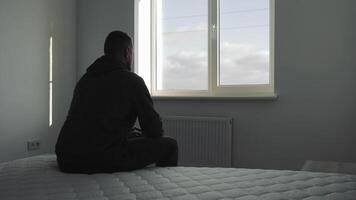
(182, 44)
(244, 42)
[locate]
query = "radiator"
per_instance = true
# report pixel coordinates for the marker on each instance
(202, 141)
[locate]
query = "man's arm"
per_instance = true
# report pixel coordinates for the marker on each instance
(149, 119)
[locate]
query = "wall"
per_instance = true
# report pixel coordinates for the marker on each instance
(64, 22)
(24, 68)
(96, 19)
(314, 116)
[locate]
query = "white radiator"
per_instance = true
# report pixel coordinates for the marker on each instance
(202, 141)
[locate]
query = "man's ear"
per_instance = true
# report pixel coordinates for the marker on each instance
(128, 57)
(127, 53)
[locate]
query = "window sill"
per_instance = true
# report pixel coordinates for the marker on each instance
(266, 97)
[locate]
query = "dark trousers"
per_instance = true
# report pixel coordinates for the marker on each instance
(145, 151)
(141, 152)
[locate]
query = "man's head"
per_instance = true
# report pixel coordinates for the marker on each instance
(118, 45)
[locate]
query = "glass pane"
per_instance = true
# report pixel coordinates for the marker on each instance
(182, 45)
(244, 42)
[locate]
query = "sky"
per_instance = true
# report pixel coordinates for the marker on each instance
(244, 43)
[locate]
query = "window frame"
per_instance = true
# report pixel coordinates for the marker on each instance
(214, 88)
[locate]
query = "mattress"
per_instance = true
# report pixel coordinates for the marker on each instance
(38, 178)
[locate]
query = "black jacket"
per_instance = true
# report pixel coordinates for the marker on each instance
(106, 103)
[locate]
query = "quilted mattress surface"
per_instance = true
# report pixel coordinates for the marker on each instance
(38, 178)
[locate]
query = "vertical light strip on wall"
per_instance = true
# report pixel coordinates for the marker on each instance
(50, 79)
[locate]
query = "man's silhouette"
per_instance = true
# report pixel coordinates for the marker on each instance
(107, 100)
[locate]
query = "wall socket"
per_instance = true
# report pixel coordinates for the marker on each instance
(33, 145)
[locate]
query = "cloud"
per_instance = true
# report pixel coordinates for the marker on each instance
(243, 64)
(186, 70)
(240, 64)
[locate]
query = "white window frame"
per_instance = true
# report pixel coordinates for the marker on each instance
(214, 89)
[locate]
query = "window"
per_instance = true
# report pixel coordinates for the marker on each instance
(212, 48)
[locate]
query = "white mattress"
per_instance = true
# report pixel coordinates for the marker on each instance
(38, 178)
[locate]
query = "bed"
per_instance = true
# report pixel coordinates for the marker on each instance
(38, 178)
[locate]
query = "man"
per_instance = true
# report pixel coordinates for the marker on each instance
(106, 103)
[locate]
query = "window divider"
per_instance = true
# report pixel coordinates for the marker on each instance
(213, 59)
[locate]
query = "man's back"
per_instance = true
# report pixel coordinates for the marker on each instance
(106, 102)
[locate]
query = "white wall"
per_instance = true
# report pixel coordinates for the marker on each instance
(96, 19)
(24, 60)
(65, 63)
(314, 116)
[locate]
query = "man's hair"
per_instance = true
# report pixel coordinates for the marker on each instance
(116, 43)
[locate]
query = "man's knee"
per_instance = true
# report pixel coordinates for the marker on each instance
(171, 143)
(169, 147)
